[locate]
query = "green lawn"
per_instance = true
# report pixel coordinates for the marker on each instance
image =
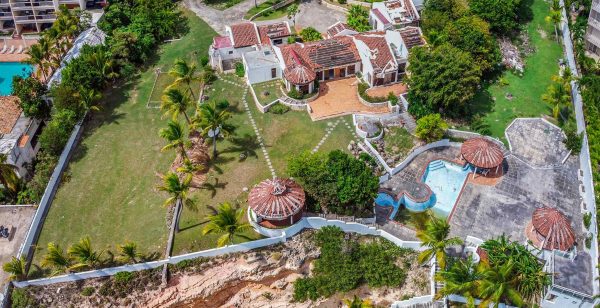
(497, 110)
(109, 193)
(398, 141)
(267, 92)
(267, 15)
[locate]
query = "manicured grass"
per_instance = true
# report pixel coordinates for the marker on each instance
(109, 193)
(222, 4)
(497, 110)
(271, 88)
(267, 15)
(164, 80)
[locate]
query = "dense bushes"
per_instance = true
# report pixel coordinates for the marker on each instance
(20, 299)
(279, 108)
(31, 93)
(362, 91)
(345, 264)
(239, 70)
(431, 127)
(335, 182)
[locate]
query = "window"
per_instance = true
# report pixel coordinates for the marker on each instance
(273, 73)
(277, 41)
(231, 52)
(551, 298)
(351, 69)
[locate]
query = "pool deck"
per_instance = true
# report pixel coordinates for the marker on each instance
(534, 177)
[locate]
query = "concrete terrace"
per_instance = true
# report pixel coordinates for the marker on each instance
(19, 218)
(534, 177)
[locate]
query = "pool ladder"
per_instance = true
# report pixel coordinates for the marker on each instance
(438, 164)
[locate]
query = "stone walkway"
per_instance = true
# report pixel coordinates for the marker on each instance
(330, 129)
(253, 123)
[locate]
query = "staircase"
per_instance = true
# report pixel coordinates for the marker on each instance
(435, 165)
(409, 122)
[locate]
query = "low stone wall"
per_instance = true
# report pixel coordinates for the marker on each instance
(369, 104)
(260, 107)
(273, 7)
(362, 133)
(461, 134)
(334, 7)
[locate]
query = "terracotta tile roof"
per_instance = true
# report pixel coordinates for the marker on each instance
(554, 228)
(244, 34)
(380, 16)
(380, 50)
(323, 54)
(10, 111)
(412, 37)
(276, 199)
(482, 153)
(221, 42)
(337, 28)
(273, 31)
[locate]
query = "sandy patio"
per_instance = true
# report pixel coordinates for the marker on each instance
(340, 97)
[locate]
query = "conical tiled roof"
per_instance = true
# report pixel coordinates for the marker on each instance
(554, 229)
(482, 153)
(276, 199)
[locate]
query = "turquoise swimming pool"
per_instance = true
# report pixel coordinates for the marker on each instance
(8, 71)
(445, 180)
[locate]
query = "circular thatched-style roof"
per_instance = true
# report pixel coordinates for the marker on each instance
(482, 153)
(550, 229)
(276, 199)
(299, 74)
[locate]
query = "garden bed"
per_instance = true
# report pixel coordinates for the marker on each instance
(267, 92)
(267, 14)
(395, 145)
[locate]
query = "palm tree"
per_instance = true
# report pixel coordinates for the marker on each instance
(85, 255)
(38, 56)
(292, 11)
(435, 237)
(461, 278)
(178, 191)
(555, 16)
(558, 96)
(17, 268)
(128, 252)
(189, 168)
(213, 122)
(8, 175)
(226, 219)
(88, 97)
(184, 73)
(357, 302)
(174, 103)
(175, 136)
(498, 284)
(55, 258)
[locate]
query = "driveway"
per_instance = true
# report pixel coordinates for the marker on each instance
(312, 14)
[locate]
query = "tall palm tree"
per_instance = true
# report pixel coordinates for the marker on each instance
(84, 254)
(498, 284)
(559, 97)
(174, 103)
(38, 56)
(56, 259)
(213, 122)
(357, 302)
(8, 175)
(435, 237)
(189, 168)
(128, 252)
(460, 278)
(555, 16)
(179, 194)
(17, 268)
(175, 136)
(228, 220)
(184, 73)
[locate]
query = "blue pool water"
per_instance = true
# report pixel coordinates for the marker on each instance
(445, 180)
(7, 71)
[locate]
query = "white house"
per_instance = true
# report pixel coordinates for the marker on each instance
(261, 65)
(393, 14)
(384, 56)
(18, 135)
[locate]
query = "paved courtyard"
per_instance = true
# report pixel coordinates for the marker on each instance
(537, 142)
(340, 97)
(20, 218)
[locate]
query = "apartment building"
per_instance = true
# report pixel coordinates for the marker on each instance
(35, 15)
(592, 37)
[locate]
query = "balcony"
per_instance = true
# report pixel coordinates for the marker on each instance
(24, 19)
(21, 6)
(43, 5)
(594, 23)
(6, 16)
(46, 18)
(4, 3)
(593, 39)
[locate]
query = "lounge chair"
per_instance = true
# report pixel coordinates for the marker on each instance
(12, 49)
(20, 50)
(4, 49)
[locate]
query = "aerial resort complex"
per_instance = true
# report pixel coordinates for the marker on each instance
(284, 153)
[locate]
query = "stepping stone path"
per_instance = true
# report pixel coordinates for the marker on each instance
(330, 128)
(253, 123)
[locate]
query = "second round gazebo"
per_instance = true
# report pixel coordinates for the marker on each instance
(483, 154)
(277, 202)
(549, 229)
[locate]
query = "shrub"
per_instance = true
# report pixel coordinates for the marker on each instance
(56, 134)
(267, 12)
(431, 127)
(587, 220)
(21, 299)
(239, 69)
(342, 1)
(204, 61)
(123, 277)
(291, 39)
(588, 242)
(295, 94)
(573, 140)
(310, 34)
(279, 108)
(392, 98)
(87, 291)
(362, 91)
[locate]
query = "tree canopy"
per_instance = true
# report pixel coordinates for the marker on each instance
(358, 18)
(442, 79)
(502, 15)
(30, 92)
(310, 34)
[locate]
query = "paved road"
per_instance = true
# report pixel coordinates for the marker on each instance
(311, 14)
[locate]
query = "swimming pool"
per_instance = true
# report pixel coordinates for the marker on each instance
(10, 69)
(445, 180)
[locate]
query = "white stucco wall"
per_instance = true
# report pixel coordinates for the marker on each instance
(365, 54)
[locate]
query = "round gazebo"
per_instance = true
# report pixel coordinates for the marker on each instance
(300, 77)
(277, 202)
(550, 229)
(483, 154)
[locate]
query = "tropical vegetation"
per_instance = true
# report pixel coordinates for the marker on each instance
(431, 127)
(358, 18)
(434, 236)
(310, 34)
(227, 220)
